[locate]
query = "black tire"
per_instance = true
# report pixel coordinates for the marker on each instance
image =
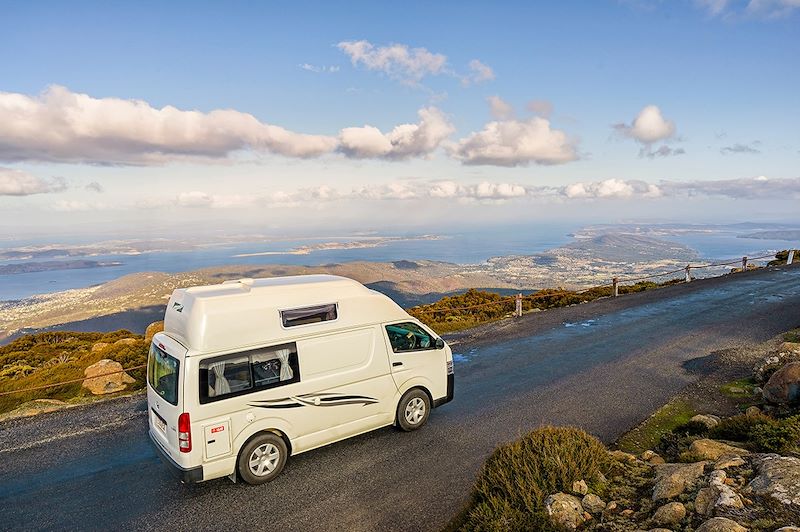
(413, 410)
(267, 443)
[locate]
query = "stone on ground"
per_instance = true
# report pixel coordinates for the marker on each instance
(593, 504)
(673, 479)
(106, 376)
(778, 477)
(721, 524)
(706, 449)
(784, 385)
(565, 510)
(580, 487)
(670, 514)
(708, 421)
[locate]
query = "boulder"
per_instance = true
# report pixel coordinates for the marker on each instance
(651, 458)
(593, 504)
(152, 329)
(706, 449)
(126, 341)
(753, 411)
(724, 497)
(708, 421)
(673, 479)
(721, 524)
(106, 376)
(778, 477)
(728, 460)
(788, 529)
(704, 501)
(99, 346)
(579, 487)
(783, 386)
(670, 514)
(565, 511)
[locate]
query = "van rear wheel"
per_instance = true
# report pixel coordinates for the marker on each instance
(413, 410)
(262, 459)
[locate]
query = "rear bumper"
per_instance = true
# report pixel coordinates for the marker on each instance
(191, 475)
(450, 391)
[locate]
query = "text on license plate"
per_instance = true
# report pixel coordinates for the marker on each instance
(160, 423)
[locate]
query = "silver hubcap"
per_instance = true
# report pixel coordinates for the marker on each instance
(264, 459)
(415, 410)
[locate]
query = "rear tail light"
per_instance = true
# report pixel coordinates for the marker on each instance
(184, 433)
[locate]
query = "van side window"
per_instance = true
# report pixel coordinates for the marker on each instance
(306, 315)
(408, 337)
(246, 372)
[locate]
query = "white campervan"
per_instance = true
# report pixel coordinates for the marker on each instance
(249, 372)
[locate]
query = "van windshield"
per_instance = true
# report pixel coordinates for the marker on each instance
(162, 374)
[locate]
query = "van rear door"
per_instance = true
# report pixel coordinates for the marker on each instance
(165, 393)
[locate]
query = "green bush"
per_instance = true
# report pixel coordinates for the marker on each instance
(762, 432)
(516, 479)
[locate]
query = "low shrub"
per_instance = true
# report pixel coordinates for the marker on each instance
(739, 428)
(761, 432)
(516, 479)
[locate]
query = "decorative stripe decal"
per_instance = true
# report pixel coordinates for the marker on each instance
(318, 399)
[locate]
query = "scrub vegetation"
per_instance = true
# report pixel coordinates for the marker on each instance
(51, 357)
(515, 480)
(475, 307)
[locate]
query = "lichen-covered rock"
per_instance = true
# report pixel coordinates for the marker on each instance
(126, 341)
(622, 456)
(565, 510)
(708, 421)
(106, 376)
(672, 479)
(722, 496)
(706, 449)
(778, 477)
(593, 504)
(670, 514)
(580, 487)
(704, 501)
(783, 386)
(728, 460)
(152, 329)
(721, 524)
(99, 346)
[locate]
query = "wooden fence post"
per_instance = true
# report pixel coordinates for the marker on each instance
(614, 283)
(688, 274)
(790, 258)
(518, 309)
(744, 264)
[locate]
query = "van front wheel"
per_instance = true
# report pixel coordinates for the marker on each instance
(413, 410)
(262, 459)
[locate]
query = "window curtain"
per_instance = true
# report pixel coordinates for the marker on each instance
(286, 369)
(221, 386)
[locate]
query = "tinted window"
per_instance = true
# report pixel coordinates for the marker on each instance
(162, 374)
(304, 316)
(247, 372)
(409, 337)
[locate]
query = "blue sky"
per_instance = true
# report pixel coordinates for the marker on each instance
(714, 84)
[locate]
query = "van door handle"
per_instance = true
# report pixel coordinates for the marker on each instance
(395, 364)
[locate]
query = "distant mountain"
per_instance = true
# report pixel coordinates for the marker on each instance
(790, 234)
(30, 267)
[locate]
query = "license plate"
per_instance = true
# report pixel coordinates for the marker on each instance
(160, 423)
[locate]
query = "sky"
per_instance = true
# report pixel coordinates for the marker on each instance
(156, 117)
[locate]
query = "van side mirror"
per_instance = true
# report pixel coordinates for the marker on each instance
(439, 343)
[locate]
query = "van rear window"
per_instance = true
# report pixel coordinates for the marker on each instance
(162, 374)
(306, 315)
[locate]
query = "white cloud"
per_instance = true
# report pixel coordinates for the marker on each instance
(198, 199)
(94, 186)
(403, 142)
(410, 65)
(500, 109)
(768, 9)
(479, 72)
(398, 61)
(611, 188)
(63, 126)
(19, 183)
(648, 127)
(713, 7)
(512, 142)
(332, 69)
(77, 206)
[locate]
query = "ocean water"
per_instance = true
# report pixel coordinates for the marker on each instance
(463, 248)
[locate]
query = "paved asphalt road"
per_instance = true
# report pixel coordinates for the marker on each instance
(603, 366)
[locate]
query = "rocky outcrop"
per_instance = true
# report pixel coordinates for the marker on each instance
(788, 352)
(783, 386)
(127, 341)
(706, 449)
(721, 524)
(99, 346)
(565, 511)
(152, 329)
(673, 479)
(778, 477)
(670, 514)
(106, 376)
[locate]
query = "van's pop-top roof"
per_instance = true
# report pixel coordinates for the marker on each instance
(247, 312)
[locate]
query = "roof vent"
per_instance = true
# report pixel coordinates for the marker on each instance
(246, 281)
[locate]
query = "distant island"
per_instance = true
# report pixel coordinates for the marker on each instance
(52, 265)
(774, 235)
(364, 243)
